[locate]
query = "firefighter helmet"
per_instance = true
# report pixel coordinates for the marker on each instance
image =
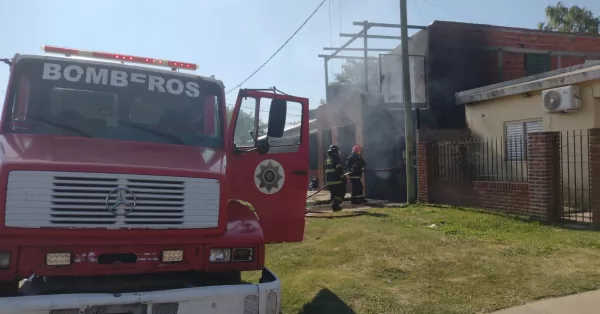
(333, 149)
(357, 149)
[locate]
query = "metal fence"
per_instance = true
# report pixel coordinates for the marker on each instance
(487, 159)
(575, 176)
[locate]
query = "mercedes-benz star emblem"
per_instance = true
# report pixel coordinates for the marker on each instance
(120, 201)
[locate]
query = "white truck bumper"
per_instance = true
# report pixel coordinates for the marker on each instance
(260, 298)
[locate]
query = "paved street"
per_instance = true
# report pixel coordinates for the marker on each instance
(583, 303)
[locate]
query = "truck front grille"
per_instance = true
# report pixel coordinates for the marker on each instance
(85, 200)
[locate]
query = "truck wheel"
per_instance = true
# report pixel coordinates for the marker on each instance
(9, 288)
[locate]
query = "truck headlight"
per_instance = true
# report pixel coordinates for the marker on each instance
(242, 255)
(4, 260)
(172, 256)
(220, 255)
(58, 259)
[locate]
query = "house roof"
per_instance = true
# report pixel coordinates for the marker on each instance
(296, 128)
(561, 77)
(515, 29)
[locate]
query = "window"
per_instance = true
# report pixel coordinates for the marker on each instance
(252, 125)
(516, 138)
(79, 99)
(537, 63)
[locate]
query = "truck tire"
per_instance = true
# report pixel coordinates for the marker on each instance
(9, 288)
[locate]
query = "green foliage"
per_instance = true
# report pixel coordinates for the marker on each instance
(424, 259)
(353, 72)
(245, 124)
(572, 19)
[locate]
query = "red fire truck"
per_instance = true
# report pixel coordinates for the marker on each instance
(124, 190)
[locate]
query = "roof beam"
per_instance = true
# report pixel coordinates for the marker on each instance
(359, 49)
(369, 36)
(360, 34)
(349, 58)
(388, 25)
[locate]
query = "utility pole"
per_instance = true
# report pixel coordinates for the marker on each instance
(408, 116)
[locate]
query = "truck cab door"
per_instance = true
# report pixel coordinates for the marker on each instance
(269, 166)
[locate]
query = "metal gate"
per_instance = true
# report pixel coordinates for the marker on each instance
(575, 179)
(386, 185)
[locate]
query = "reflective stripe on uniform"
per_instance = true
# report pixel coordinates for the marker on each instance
(354, 177)
(329, 170)
(337, 198)
(338, 166)
(334, 182)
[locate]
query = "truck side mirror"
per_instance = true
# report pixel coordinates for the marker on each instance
(262, 146)
(277, 114)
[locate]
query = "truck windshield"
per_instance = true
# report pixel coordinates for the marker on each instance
(97, 100)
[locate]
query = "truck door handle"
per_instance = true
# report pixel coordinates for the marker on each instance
(300, 172)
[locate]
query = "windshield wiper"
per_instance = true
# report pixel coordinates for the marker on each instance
(59, 126)
(171, 138)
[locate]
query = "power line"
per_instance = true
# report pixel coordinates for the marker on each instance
(276, 52)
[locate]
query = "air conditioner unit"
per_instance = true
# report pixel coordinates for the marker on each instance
(561, 99)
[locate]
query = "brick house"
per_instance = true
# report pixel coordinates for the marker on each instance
(456, 57)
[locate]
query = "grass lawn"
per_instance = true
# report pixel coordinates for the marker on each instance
(393, 262)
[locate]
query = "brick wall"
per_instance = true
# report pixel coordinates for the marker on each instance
(543, 173)
(594, 169)
(506, 196)
(423, 170)
(540, 195)
(513, 64)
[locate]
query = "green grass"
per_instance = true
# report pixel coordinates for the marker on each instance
(470, 262)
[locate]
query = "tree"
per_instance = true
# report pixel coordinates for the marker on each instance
(245, 124)
(573, 19)
(353, 72)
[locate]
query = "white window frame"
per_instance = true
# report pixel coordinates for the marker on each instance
(514, 152)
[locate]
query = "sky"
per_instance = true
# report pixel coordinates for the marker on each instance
(232, 38)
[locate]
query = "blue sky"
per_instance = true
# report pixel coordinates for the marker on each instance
(231, 38)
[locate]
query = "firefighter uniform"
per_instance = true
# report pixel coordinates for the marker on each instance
(335, 180)
(355, 164)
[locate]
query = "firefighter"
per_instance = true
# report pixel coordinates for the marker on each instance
(335, 179)
(355, 164)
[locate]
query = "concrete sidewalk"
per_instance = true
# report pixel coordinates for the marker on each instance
(583, 303)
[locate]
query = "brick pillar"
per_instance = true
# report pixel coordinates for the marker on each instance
(423, 171)
(594, 169)
(543, 173)
(334, 136)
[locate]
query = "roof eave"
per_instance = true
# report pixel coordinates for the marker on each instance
(469, 97)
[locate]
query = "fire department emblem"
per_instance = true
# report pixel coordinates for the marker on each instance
(269, 176)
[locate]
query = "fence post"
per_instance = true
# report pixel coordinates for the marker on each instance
(423, 155)
(543, 173)
(594, 173)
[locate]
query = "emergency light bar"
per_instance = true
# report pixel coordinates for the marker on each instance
(115, 56)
